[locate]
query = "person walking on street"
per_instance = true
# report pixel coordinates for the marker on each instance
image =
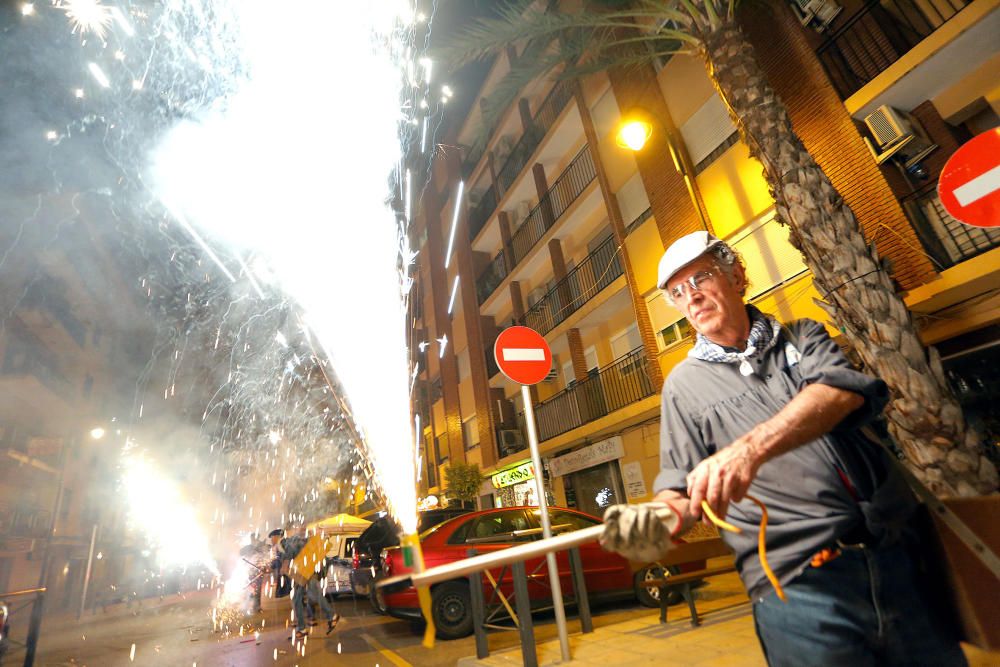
(778, 413)
(299, 551)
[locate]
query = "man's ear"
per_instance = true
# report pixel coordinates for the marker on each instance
(740, 277)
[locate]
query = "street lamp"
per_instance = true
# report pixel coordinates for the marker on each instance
(635, 132)
(97, 433)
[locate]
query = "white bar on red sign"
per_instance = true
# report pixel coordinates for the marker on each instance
(523, 354)
(980, 186)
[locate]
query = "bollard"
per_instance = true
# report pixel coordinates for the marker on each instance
(523, 604)
(580, 590)
(478, 611)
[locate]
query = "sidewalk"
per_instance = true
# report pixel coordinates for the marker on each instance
(726, 637)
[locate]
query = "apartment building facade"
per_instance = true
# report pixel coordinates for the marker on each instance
(557, 227)
(67, 323)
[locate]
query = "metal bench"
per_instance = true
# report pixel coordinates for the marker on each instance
(685, 553)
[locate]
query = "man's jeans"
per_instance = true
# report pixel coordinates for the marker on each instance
(313, 592)
(864, 608)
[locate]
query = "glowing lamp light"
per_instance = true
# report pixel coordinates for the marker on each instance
(97, 433)
(634, 134)
(27, 9)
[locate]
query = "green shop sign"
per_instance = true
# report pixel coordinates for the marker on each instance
(512, 476)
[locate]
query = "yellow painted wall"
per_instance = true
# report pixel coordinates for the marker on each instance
(644, 249)
(734, 190)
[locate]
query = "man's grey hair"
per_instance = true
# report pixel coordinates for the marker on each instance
(727, 260)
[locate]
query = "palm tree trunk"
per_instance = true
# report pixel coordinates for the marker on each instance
(859, 295)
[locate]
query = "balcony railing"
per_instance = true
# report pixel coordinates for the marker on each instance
(542, 122)
(601, 268)
(480, 215)
(878, 35)
(611, 388)
(570, 185)
(491, 277)
(946, 239)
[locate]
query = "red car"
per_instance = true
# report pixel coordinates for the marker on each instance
(607, 575)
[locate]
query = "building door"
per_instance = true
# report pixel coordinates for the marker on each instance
(595, 489)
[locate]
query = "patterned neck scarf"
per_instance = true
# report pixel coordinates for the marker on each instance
(763, 335)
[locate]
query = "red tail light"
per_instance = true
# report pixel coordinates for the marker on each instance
(355, 559)
(387, 563)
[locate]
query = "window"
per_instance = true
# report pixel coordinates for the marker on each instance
(464, 368)
(625, 341)
(706, 129)
(769, 256)
(675, 332)
(632, 199)
(470, 432)
(498, 527)
(562, 521)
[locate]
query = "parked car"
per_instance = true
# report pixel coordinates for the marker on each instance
(366, 566)
(607, 575)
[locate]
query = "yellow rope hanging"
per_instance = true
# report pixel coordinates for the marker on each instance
(761, 541)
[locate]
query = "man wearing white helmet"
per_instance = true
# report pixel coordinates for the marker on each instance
(775, 412)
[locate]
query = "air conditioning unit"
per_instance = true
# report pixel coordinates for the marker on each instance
(536, 295)
(889, 125)
(898, 135)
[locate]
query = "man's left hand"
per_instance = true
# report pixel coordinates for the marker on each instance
(723, 477)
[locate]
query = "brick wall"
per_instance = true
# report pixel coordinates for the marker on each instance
(826, 129)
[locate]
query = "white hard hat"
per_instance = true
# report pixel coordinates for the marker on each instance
(682, 252)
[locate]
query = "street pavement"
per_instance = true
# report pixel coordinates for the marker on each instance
(178, 632)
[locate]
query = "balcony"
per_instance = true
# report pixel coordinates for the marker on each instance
(491, 277)
(601, 268)
(947, 240)
(878, 35)
(570, 185)
(542, 122)
(480, 215)
(606, 390)
(21, 522)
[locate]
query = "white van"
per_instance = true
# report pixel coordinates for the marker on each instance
(338, 574)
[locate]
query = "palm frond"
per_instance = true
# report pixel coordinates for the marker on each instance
(574, 44)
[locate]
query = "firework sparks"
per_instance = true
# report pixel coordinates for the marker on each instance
(87, 16)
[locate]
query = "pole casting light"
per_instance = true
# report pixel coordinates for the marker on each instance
(634, 134)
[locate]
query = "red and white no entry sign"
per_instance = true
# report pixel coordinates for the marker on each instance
(522, 355)
(969, 185)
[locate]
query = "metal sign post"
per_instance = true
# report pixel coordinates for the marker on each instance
(543, 506)
(523, 355)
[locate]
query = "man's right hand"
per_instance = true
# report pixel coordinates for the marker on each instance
(641, 533)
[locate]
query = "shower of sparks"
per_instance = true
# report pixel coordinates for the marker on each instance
(160, 511)
(87, 16)
(245, 176)
(256, 175)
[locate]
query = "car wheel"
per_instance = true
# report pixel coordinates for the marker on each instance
(451, 607)
(378, 604)
(649, 596)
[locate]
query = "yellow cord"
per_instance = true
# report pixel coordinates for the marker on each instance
(761, 541)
